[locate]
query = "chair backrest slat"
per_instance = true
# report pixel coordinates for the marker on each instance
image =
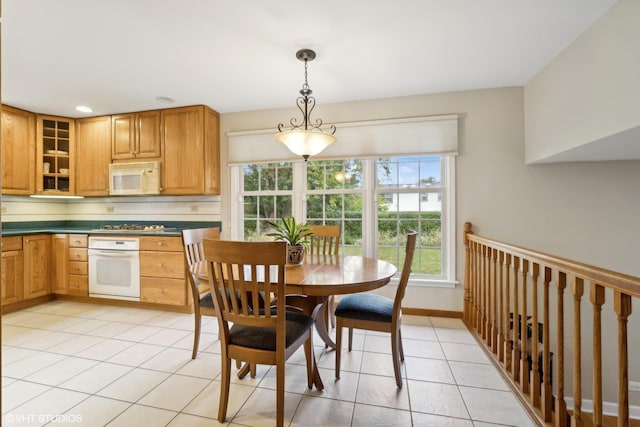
(406, 270)
(242, 273)
(193, 251)
(325, 240)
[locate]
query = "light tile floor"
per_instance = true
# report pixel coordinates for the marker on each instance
(73, 364)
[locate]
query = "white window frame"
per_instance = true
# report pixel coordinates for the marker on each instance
(369, 218)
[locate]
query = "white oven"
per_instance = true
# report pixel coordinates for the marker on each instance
(114, 267)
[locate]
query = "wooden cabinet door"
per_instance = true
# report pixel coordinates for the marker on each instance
(60, 263)
(18, 151)
(12, 277)
(55, 151)
(136, 136)
(183, 151)
(123, 136)
(93, 156)
(36, 265)
(211, 151)
(148, 135)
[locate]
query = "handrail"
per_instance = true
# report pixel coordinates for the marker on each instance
(618, 281)
(509, 305)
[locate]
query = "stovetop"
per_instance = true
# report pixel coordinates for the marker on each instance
(134, 227)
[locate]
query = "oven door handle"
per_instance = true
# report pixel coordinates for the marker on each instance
(114, 254)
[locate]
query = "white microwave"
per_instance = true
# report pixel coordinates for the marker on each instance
(128, 179)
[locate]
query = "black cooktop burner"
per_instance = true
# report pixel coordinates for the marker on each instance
(133, 227)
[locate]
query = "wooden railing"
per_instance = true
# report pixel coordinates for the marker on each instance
(529, 327)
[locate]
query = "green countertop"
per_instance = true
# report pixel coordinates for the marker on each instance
(172, 228)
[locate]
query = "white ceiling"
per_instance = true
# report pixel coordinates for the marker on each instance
(236, 55)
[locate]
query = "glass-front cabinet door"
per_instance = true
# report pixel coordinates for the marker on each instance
(55, 156)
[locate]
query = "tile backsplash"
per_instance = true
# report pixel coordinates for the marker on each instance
(131, 209)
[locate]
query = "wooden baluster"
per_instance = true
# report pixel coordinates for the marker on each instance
(535, 374)
(597, 299)
(516, 322)
(494, 316)
(622, 307)
(486, 283)
(561, 404)
(501, 337)
(524, 364)
(547, 391)
(507, 311)
(479, 289)
(577, 289)
(467, 273)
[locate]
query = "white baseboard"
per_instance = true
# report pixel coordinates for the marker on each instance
(608, 408)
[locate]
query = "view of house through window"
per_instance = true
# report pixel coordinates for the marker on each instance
(375, 202)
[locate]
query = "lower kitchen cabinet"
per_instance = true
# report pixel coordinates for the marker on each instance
(60, 263)
(70, 265)
(78, 265)
(36, 265)
(162, 270)
(12, 270)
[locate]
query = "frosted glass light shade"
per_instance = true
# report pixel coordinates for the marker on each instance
(305, 143)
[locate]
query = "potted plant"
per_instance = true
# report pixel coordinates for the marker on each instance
(295, 234)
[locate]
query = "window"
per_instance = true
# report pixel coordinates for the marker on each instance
(375, 201)
(409, 182)
(334, 196)
(267, 194)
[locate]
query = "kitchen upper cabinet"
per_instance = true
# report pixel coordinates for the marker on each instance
(190, 151)
(36, 265)
(55, 154)
(136, 136)
(93, 156)
(12, 270)
(18, 151)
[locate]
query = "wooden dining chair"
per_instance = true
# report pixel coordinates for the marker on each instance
(202, 301)
(325, 240)
(376, 313)
(240, 272)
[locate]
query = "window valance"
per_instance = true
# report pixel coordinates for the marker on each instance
(379, 138)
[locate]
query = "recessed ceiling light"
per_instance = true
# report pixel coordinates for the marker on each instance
(84, 109)
(165, 100)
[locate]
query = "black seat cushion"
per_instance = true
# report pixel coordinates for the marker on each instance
(366, 306)
(206, 300)
(265, 338)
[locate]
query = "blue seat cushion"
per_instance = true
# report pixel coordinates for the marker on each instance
(366, 306)
(265, 338)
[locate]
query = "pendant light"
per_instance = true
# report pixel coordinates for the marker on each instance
(306, 139)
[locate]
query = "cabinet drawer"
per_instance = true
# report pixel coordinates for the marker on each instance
(163, 291)
(78, 285)
(12, 243)
(155, 243)
(78, 267)
(78, 240)
(162, 264)
(77, 254)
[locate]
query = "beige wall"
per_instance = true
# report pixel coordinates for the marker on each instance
(584, 104)
(582, 211)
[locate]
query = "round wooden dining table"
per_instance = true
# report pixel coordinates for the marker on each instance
(320, 276)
